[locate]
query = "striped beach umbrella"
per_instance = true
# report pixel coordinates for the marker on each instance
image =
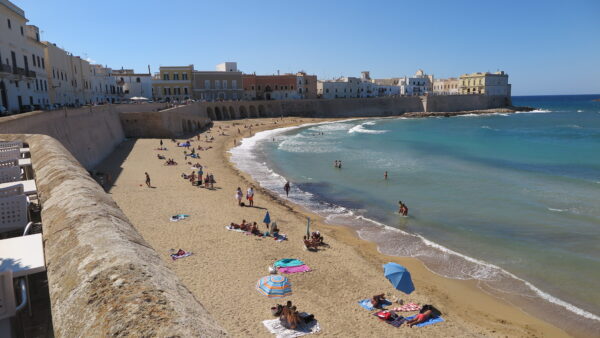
(274, 286)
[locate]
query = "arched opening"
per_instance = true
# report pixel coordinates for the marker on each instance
(190, 126)
(218, 113)
(210, 113)
(232, 112)
(261, 111)
(226, 113)
(253, 111)
(198, 125)
(243, 113)
(184, 126)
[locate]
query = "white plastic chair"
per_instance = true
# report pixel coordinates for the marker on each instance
(13, 213)
(11, 144)
(8, 306)
(14, 190)
(9, 163)
(10, 174)
(10, 153)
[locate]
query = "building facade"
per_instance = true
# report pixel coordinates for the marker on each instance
(449, 86)
(485, 83)
(279, 87)
(23, 82)
(134, 84)
(173, 83)
(225, 83)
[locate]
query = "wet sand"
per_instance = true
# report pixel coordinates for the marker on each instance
(223, 271)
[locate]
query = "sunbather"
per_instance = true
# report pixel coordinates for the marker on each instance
(160, 157)
(234, 226)
(310, 244)
(254, 230)
(426, 312)
(289, 318)
(377, 301)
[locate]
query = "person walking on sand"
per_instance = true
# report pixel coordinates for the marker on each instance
(161, 144)
(286, 187)
(250, 196)
(238, 196)
(148, 180)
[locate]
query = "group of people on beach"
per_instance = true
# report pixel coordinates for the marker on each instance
(239, 195)
(314, 241)
(272, 229)
(289, 316)
(337, 164)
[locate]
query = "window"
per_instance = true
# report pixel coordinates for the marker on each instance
(166, 76)
(291, 87)
(21, 30)
(137, 80)
(327, 90)
(175, 76)
(252, 87)
(169, 91)
(224, 84)
(9, 25)
(164, 91)
(184, 76)
(233, 84)
(33, 59)
(185, 90)
(217, 84)
(206, 84)
(37, 85)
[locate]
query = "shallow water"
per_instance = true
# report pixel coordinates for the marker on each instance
(508, 199)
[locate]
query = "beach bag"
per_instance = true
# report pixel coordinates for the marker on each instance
(272, 270)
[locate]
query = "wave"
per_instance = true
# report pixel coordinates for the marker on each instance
(361, 129)
(536, 111)
(448, 263)
(580, 111)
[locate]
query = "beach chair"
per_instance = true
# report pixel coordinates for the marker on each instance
(13, 213)
(8, 306)
(10, 174)
(11, 144)
(10, 153)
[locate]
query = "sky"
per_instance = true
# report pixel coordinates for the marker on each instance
(547, 47)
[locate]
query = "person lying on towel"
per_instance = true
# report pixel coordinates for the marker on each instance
(377, 301)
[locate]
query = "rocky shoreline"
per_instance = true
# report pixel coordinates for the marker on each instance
(511, 109)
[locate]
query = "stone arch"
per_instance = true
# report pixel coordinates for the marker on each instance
(218, 113)
(261, 111)
(190, 126)
(243, 112)
(184, 126)
(210, 113)
(198, 125)
(253, 111)
(232, 112)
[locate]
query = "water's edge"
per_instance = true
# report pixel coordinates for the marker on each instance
(492, 279)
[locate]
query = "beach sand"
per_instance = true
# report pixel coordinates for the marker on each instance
(223, 271)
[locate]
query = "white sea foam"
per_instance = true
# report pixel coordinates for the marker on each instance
(536, 111)
(244, 159)
(557, 210)
(361, 129)
(580, 111)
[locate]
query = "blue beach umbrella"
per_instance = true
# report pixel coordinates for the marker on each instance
(399, 277)
(274, 286)
(267, 218)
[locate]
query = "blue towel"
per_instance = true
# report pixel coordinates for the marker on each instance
(366, 303)
(428, 322)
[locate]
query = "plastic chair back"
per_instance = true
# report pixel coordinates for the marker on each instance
(10, 174)
(13, 213)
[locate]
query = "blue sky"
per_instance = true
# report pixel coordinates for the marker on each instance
(547, 47)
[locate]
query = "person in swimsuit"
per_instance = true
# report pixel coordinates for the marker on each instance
(286, 187)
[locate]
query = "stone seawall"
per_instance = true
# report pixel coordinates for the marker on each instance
(103, 278)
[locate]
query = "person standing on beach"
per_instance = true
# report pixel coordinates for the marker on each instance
(340, 164)
(161, 144)
(286, 187)
(385, 176)
(250, 196)
(148, 180)
(238, 196)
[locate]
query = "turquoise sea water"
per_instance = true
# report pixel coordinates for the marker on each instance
(512, 200)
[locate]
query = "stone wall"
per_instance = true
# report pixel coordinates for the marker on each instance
(103, 278)
(170, 122)
(454, 103)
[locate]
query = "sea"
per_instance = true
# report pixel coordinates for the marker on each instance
(511, 201)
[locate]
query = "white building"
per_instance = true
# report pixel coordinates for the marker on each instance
(419, 84)
(23, 82)
(352, 87)
(134, 84)
(227, 67)
(105, 88)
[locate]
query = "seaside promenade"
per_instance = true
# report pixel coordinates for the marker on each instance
(223, 270)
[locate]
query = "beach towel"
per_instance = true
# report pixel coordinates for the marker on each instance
(396, 322)
(228, 227)
(176, 256)
(286, 262)
(428, 322)
(274, 326)
(408, 307)
(281, 238)
(294, 269)
(366, 303)
(179, 217)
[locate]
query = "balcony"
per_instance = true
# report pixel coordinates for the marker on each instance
(19, 71)
(30, 73)
(5, 68)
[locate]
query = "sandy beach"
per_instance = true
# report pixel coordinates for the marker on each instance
(225, 265)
